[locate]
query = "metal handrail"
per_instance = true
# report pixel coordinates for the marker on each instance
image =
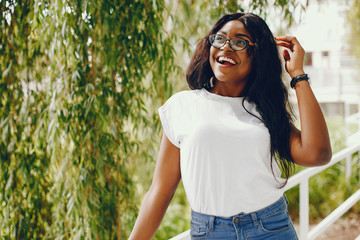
(302, 179)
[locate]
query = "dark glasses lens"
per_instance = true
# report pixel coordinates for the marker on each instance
(236, 43)
(217, 41)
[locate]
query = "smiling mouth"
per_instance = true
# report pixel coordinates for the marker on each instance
(225, 60)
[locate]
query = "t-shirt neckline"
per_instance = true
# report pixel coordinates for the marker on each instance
(220, 97)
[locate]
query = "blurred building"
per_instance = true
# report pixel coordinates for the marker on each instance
(334, 71)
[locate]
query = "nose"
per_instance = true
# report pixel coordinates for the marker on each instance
(227, 46)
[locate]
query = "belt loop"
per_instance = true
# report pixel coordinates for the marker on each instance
(211, 223)
(254, 218)
(286, 200)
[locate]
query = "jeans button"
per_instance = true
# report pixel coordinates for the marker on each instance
(236, 220)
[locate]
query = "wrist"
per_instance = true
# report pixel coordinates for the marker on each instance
(301, 84)
(299, 78)
(296, 73)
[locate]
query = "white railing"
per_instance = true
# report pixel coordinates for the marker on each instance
(352, 119)
(302, 179)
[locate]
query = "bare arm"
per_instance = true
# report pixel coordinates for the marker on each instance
(165, 181)
(310, 146)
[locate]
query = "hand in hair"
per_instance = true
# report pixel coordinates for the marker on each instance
(293, 62)
(310, 146)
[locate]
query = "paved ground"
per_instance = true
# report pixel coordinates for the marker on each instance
(346, 228)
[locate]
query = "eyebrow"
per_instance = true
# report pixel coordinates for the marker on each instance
(236, 35)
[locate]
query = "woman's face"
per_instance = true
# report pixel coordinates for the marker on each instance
(225, 70)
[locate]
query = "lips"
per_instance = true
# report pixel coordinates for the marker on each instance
(226, 60)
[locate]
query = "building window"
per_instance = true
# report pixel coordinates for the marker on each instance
(308, 59)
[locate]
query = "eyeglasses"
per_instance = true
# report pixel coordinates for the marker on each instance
(236, 43)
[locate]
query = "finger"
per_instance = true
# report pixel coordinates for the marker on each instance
(284, 44)
(286, 55)
(295, 47)
(286, 38)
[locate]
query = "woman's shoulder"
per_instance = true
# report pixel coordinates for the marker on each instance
(179, 103)
(183, 98)
(188, 93)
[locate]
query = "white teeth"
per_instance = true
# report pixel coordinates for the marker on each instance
(222, 59)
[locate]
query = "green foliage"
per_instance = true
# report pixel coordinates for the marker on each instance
(74, 81)
(190, 29)
(208, 12)
(353, 19)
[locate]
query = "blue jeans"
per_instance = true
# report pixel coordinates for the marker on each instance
(272, 222)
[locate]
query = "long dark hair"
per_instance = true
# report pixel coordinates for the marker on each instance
(265, 87)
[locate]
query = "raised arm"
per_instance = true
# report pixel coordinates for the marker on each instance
(165, 181)
(310, 146)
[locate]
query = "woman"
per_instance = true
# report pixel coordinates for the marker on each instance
(228, 138)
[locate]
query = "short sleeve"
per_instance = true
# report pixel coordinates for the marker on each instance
(174, 115)
(168, 114)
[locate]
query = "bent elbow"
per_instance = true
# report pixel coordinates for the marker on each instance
(325, 156)
(321, 157)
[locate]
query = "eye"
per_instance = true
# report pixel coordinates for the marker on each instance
(239, 42)
(219, 38)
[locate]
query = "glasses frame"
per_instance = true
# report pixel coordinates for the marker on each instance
(228, 40)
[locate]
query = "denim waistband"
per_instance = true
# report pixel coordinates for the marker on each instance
(242, 218)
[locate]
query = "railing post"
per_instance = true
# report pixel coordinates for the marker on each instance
(348, 167)
(346, 121)
(304, 209)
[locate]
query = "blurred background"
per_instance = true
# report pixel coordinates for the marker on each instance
(81, 82)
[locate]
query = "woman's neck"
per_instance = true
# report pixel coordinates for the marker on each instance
(228, 89)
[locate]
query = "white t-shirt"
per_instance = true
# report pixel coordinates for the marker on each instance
(224, 153)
